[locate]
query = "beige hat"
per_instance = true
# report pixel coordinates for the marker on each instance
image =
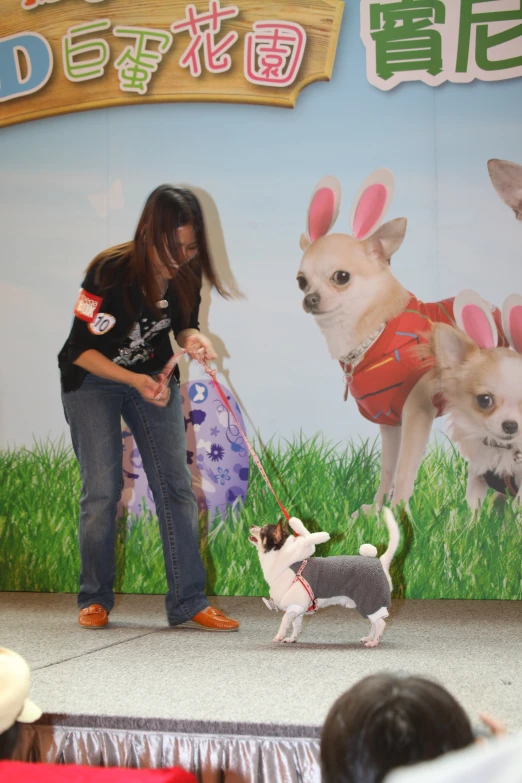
(14, 689)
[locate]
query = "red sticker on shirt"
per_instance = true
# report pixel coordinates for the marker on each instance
(87, 306)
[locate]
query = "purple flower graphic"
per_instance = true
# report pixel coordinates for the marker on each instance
(196, 418)
(216, 452)
(214, 432)
(223, 476)
(241, 472)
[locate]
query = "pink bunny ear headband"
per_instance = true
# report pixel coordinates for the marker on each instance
(368, 211)
(474, 317)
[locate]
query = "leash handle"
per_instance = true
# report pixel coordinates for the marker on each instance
(256, 459)
(169, 369)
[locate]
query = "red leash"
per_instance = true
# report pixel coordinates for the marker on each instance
(169, 369)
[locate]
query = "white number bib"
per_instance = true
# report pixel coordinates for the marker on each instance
(102, 324)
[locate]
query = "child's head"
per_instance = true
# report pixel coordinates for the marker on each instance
(387, 721)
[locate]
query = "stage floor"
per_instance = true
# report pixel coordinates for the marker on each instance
(242, 683)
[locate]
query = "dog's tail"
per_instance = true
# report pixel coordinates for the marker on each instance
(395, 537)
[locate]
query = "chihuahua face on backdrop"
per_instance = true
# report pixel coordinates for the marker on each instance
(336, 271)
(347, 284)
(482, 387)
(489, 396)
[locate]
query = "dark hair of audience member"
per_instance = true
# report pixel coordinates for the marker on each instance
(387, 721)
(8, 740)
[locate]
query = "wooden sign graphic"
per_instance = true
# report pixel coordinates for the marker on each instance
(59, 56)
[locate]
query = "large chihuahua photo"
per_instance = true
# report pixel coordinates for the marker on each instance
(373, 325)
(300, 583)
(481, 382)
(482, 388)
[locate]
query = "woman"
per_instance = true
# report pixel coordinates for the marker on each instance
(132, 296)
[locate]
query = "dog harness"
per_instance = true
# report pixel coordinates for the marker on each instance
(300, 578)
(382, 379)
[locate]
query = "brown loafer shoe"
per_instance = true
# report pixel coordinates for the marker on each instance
(94, 616)
(210, 619)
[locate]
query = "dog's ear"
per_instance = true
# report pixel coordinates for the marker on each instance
(512, 321)
(304, 242)
(371, 203)
(450, 346)
(323, 209)
(507, 181)
(387, 240)
(278, 532)
(474, 316)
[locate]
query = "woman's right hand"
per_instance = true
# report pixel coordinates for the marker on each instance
(148, 387)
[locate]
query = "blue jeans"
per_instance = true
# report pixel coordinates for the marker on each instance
(94, 413)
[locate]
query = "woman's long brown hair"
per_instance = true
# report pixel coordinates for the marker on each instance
(166, 210)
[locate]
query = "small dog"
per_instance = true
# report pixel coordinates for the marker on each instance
(373, 325)
(298, 586)
(482, 388)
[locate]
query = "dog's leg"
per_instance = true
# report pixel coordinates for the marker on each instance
(390, 445)
(375, 634)
(292, 616)
(371, 635)
(287, 620)
(417, 419)
(476, 490)
(296, 630)
(377, 628)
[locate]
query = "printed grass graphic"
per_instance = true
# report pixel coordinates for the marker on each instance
(444, 552)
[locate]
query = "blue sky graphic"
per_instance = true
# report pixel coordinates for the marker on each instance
(258, 165)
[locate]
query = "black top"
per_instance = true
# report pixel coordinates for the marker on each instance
(102, 322)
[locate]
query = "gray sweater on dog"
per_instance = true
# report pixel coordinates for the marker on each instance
(360, 578)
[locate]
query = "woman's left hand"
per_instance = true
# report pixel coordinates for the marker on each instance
(199, 347)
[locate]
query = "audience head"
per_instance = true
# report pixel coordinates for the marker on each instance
(15, 707)
(387, 721)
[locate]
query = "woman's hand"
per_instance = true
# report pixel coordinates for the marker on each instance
(199, 347)
(148, 388)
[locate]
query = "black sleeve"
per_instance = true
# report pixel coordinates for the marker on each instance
(87, 328)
